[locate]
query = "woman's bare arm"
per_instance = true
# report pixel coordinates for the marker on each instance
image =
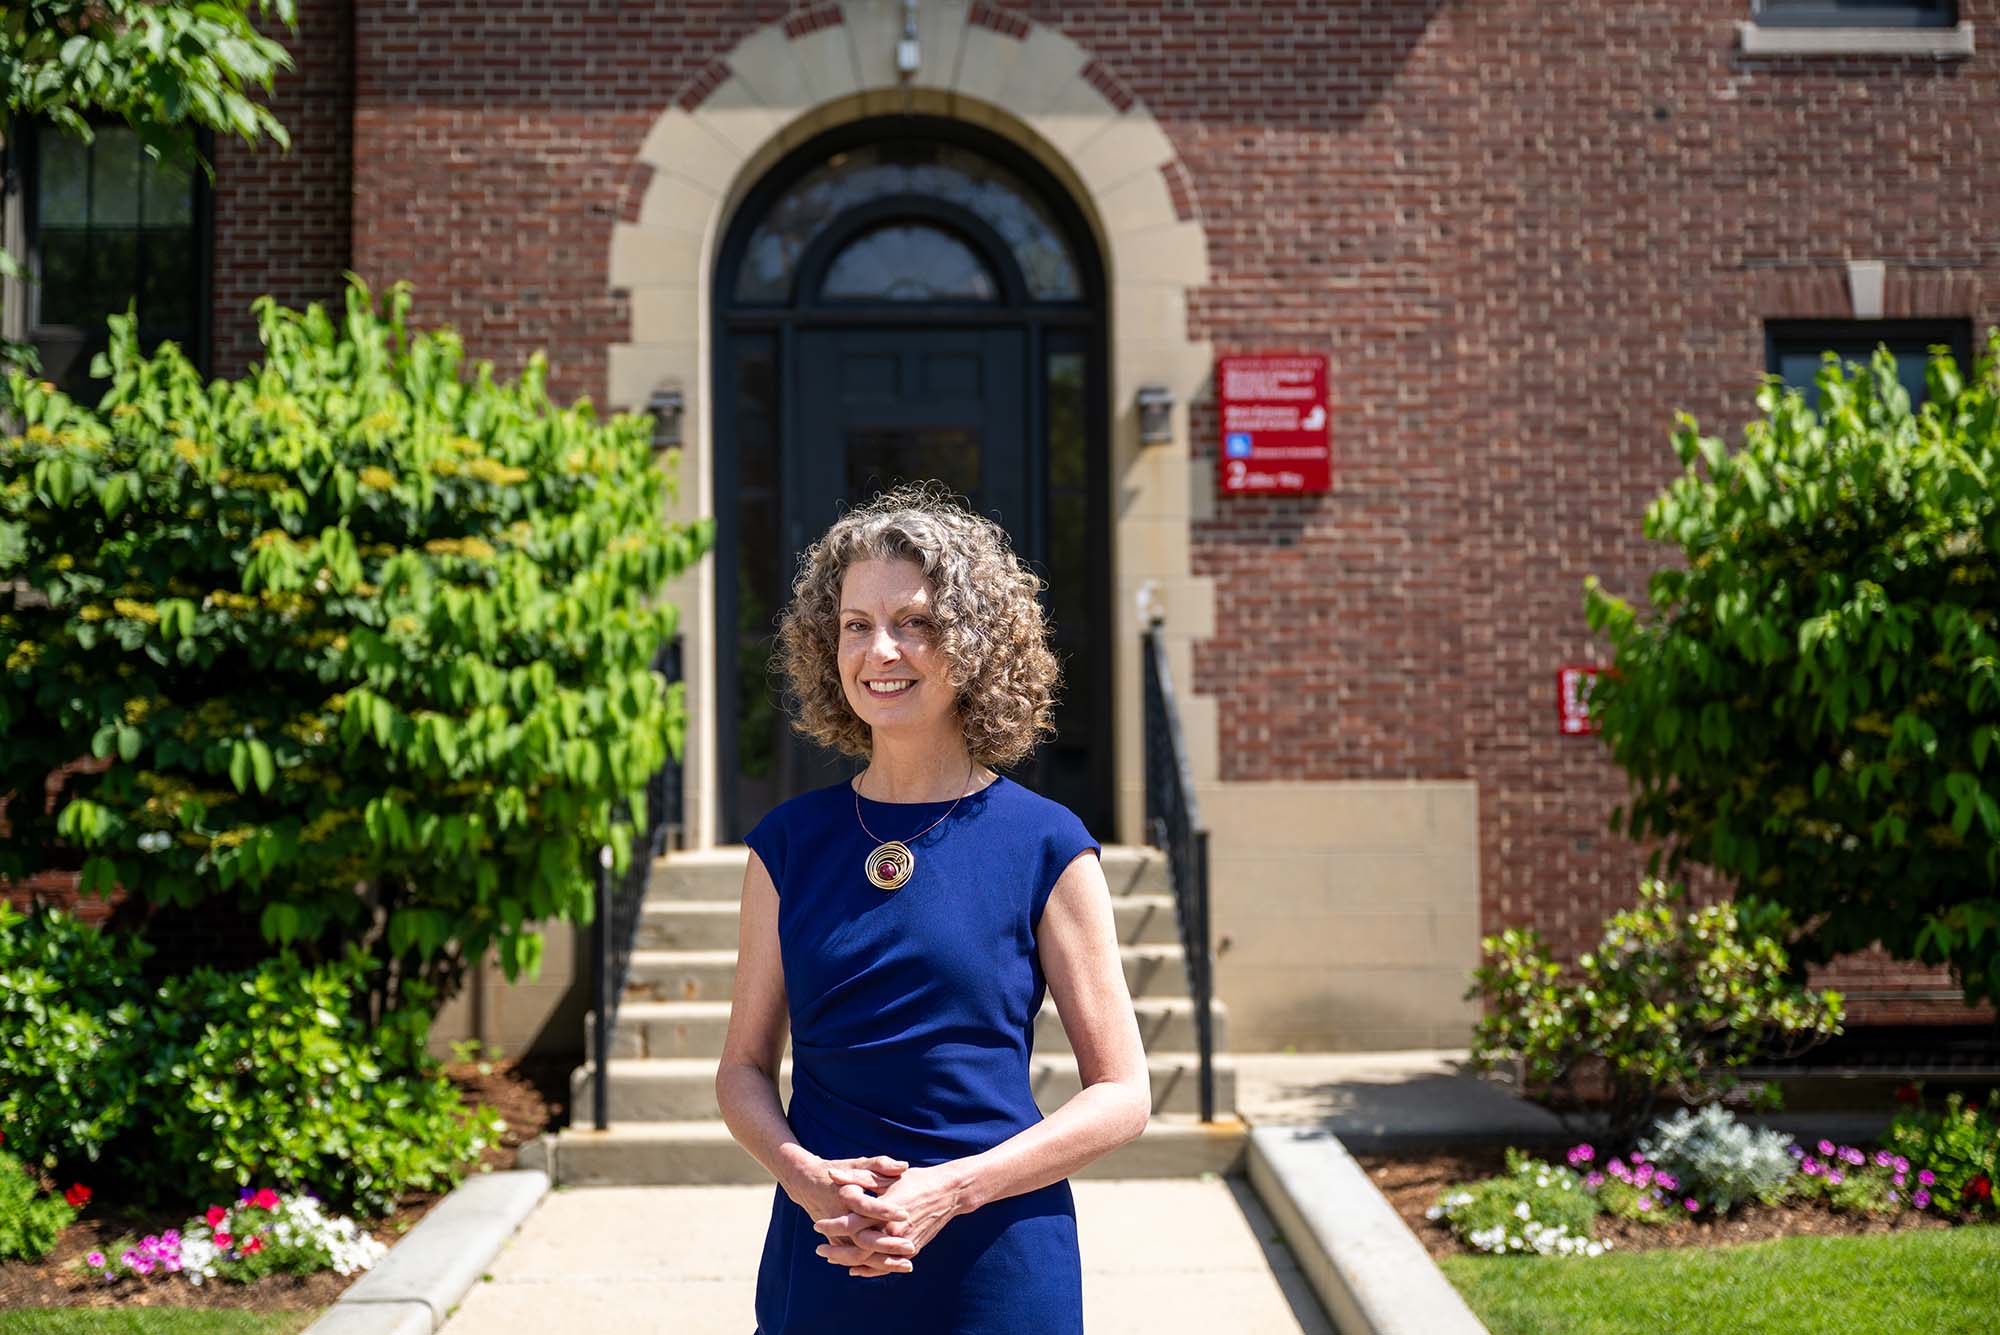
(746, 1083)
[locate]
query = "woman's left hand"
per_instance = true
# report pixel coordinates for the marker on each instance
(933, 1198)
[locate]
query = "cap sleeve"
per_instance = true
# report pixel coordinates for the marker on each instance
(769, 841)
(1064, 838)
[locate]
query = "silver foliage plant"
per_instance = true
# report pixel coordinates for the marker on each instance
(1718, 1159)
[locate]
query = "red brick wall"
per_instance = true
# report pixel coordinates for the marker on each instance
(281, 218)
(1526, 234)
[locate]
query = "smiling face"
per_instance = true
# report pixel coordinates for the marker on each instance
(891, 669)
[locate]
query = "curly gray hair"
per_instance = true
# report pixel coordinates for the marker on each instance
(988, 621)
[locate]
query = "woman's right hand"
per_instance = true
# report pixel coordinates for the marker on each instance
(825, 1188)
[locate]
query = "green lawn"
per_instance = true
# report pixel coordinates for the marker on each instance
(151, 1321)
(1929, 1283)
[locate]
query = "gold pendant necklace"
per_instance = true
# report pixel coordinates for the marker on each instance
(891, 864)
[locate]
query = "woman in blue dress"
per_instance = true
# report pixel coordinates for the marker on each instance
(903, 927)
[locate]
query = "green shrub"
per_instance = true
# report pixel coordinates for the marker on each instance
(1668, 1002)
(1534, 1207)
(1813, 706)
(267, 1076)
(1960, 1144)
(1718, 1160)
(30, 1219)
(358, 617)
(71, 1035)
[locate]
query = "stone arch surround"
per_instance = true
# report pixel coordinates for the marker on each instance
(834, 64)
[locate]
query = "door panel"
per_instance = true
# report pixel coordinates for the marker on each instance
(882, 406)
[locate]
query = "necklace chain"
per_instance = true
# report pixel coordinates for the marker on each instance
(921, 833)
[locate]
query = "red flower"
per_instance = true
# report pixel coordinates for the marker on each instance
(216, 1214)
(78, 1195)
(222, 1240)
(266, 1199)
(254, 1245)
(1907, 1093)
(1979, 1189)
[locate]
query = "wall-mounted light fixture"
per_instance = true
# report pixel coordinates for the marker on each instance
(667, 405)
(908, 54)
(1156, 415)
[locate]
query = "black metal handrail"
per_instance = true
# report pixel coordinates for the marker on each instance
(621, 899)
(1173, 822)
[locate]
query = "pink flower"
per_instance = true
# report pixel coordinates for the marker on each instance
(95, 1260)
(1902, 1164)
(216, 1214)
(1834, 1177)
(1926, 1178)
(1922, 1200)
(1594, 1181)
(1667, 1181)
(266, 1199)
(1826, 1148)
(223, 1240)
(1645, 1202)
(1809, 1166)
(1853, 1157)
(1638, 1157)
(1902, 1179)
(1883, 1158)
(1692, 1204)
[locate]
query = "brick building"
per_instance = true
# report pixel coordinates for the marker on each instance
(859, 238)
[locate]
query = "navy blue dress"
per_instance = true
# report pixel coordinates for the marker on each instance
(913, 1017)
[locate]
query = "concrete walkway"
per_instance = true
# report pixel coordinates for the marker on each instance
(1373, 1100)
(1159, 1257)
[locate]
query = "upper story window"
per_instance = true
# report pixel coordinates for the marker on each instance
(1794, 349)
(107, 225)
(1856, 13)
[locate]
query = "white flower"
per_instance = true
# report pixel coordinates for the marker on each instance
(1521, 1210)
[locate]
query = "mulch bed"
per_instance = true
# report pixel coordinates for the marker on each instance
(530, 1094)
(1413, 1180)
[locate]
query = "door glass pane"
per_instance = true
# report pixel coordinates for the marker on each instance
(63, 198)
(918, 167)
(1065, 760)
(114, 177)
(909, 262)
(880, 457)
(761, 567)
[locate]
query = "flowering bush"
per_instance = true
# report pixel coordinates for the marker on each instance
(1855, 1181)
(1959, 1144)
(264, 1233)
(30, 1219)
(1672, 1001)
(269, 1075)
(1638, 1191)
(1534, 1207)
(1720, 1162)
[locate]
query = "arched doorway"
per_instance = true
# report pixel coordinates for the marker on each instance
(902, 299)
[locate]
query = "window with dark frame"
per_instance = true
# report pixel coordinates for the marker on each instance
(1794, 350)
(108, 225)
(1855, 13)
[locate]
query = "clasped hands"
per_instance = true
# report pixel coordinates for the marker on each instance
(877, 1213)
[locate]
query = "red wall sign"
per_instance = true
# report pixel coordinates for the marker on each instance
(1274, 424)
(1573, 685)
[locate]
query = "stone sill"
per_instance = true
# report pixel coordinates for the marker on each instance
(1938, 43)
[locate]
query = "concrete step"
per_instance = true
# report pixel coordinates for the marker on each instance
(704, 1154)
(710, 975)
(680, 1089)
(717, 873)
(696, 1028)
(710, 924)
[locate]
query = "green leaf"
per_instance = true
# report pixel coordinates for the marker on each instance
(239, 766)
(263, 766)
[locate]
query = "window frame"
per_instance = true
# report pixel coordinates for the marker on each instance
(1827, 14)
(24, 161)
(1952, 330)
